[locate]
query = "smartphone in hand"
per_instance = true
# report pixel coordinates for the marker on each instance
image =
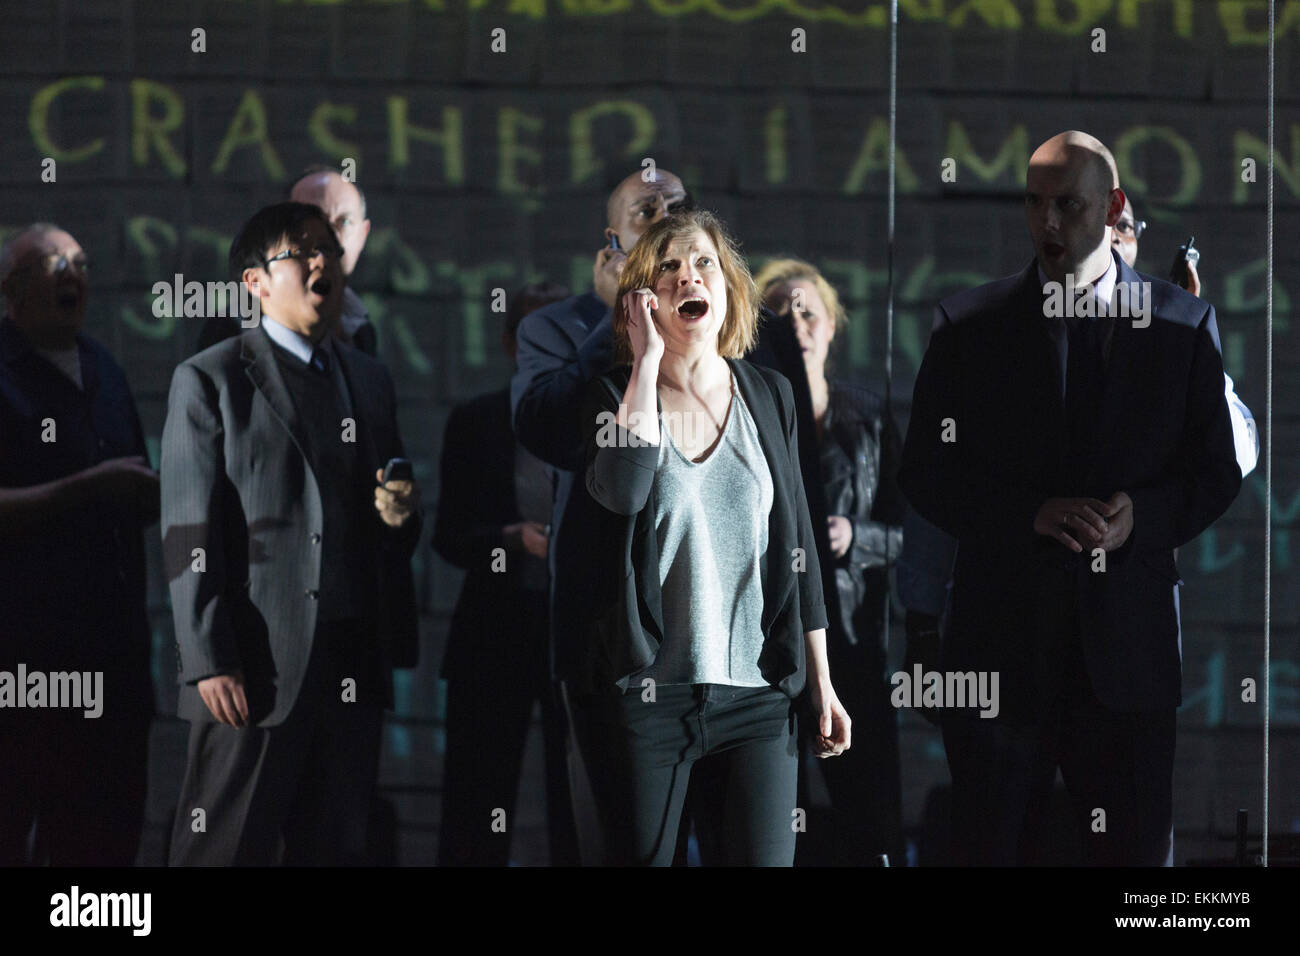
(398, 469)
(1187, 252)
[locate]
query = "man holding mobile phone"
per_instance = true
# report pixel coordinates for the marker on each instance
(289, 564)
(1245, 436)
(560, 348)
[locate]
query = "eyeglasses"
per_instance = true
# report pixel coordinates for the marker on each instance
(332, 251)
(55, 263)
(1126, 227)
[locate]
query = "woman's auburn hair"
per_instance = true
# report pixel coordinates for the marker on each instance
(780, 272)
(739, 332)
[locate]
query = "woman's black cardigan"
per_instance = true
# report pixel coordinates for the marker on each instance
(626, 624)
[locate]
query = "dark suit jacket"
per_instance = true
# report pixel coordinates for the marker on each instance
(625, 626)
(561, 348)
(1166, 440)
(237, 483)
(475, 501)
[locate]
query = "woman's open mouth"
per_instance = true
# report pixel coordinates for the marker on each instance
(692, 309)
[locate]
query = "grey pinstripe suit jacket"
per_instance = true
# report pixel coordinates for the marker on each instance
(237, 484)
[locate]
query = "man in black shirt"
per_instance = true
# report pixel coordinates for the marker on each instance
(76, 494)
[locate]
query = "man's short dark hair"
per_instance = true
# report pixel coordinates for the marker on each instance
(312, 170)
(529, 299)
(268, 226)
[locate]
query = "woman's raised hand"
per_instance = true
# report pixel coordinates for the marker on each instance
(642, 331)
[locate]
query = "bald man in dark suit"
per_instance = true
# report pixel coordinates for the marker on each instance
(1069, 445)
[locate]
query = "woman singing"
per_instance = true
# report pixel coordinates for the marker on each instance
(859, 449)
(714, 618)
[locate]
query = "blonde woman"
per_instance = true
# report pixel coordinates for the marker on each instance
(858, 451)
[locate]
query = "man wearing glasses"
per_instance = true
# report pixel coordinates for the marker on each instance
(344, 204)
(289, 564)
(76, 494)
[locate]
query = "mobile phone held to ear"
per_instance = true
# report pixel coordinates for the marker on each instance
(1187, 252)
(613, 242)
(398, 469)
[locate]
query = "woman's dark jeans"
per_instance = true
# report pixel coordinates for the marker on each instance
(641, 754)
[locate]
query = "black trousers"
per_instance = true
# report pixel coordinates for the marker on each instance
(298, 793)
(489, 712)
(1117, 767)
(641, 755)
(80, 781)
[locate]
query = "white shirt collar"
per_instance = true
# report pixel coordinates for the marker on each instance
(1105, 286)
(297, 345)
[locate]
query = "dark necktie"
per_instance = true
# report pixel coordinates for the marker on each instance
(320, 360)
(1083, 390)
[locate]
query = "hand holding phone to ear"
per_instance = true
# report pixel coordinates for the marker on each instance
(608, 266)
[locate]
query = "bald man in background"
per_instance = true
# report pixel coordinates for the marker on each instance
(1052, 447)
(560, 348)
(563, 346)
(345, 206)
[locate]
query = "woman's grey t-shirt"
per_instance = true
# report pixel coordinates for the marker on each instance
(712, 522)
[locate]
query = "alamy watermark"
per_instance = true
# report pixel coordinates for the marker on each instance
(946, 689)
(76, 690)
(75, 908)
(232, 300)
(689, 425)
(1130, 300)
